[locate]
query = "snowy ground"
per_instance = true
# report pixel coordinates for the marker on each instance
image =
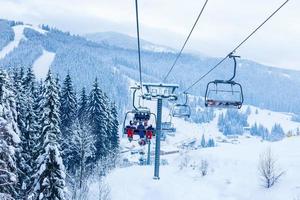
(232, 174)
(233, 165)
(42, 64)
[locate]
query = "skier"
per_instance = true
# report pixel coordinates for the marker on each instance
(141, 130)
(130, 130)
(149, 132)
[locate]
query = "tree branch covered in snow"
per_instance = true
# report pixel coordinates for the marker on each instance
(268, 169)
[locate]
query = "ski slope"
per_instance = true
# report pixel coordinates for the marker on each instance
(42, 64)
(19, 35)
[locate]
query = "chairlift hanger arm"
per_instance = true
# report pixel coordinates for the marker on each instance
(235, 63)
(133, 99)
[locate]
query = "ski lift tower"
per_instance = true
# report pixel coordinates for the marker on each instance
(159, 91)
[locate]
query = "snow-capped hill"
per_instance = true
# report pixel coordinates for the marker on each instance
(18, 36)
(76, 54)
(269, 118)
(42, 64)
(125, 41)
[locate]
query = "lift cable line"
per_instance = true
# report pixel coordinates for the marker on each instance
(238, 46)
(188, 37)
(138, 40)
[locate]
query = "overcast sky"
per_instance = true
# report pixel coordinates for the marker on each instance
(224, 24)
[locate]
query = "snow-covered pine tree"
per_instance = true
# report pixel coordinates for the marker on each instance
(83, 150)
(83, 107)
(263, 132)
(108, 126)
(9, 139)
(211, 142)
(113, 136)
(50, 177)
(114, 128)
(68, 115)
(277, 133)
(98, 120)
(29, 134)
(20, 97)
(203, 142)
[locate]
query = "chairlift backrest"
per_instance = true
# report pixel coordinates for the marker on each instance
(182, 110)
(224, 93)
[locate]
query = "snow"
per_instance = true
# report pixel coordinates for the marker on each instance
(286, 75)
(42, 64)
(268, 119)
(157, 48)
(18, 30)
(232, 174)
(232, 164)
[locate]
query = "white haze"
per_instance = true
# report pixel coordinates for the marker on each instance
(224, 23)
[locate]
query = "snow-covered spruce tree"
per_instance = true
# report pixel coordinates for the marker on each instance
(68, 115)
(277, 133)
(113, 136)
(211, 142)
(203, 142)
(98, 118)
(83, 107)
(114, 128)
(50, 177)
(29, 134)
(83, 150)
(9, 139)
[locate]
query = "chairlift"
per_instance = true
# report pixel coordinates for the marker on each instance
(225, 93)
(182, 110)
(168, 127)
(138, 119)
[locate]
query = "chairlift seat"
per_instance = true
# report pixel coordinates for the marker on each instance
(224, 94)
(181, 110)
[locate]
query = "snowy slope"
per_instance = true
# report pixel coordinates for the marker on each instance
(269, 118)
(18, 30)
(232, 175)
(126, 41)
(42, 64)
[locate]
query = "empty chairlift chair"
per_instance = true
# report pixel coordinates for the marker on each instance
(182, 110)
(224, 93)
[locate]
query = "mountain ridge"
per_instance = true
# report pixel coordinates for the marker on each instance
(264, 86)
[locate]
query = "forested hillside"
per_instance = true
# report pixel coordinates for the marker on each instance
(263, 86)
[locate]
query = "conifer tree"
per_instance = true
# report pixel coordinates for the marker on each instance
(98, 120)
(203, 142)
(68, 114)
(83, 107)
(114, 127)
(50, 177)
(9, 139)
(29, 134)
